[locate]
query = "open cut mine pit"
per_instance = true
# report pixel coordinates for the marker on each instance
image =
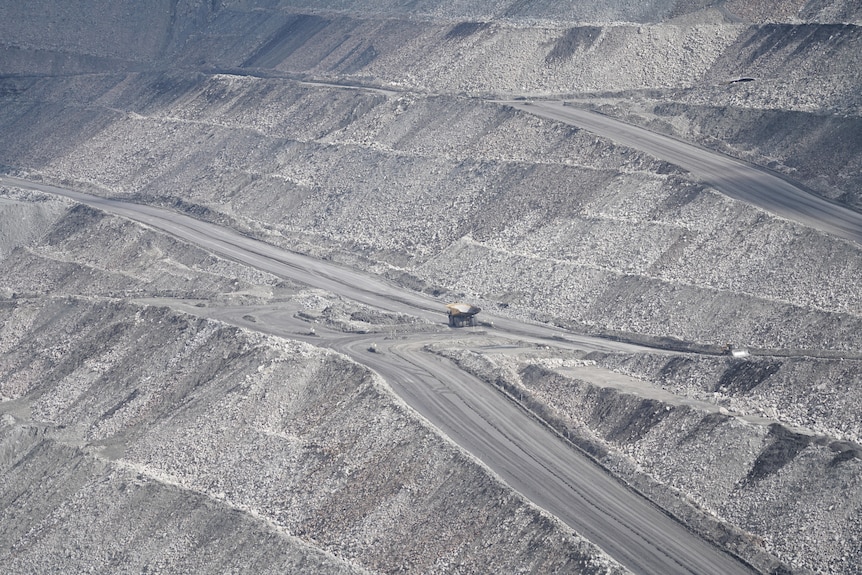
(235, 237)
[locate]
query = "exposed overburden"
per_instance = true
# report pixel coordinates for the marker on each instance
(65, 38)
(610, 238)
(369, 133)
(246, 452)
(80, 513)
(520, 11)
(757, 475)
(25, 221)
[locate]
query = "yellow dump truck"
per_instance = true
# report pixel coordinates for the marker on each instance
(462, 314)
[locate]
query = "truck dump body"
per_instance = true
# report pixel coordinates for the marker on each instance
(462, 314)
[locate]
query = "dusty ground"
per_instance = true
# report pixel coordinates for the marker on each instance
(709, 443)
(227, 449)
(201, 106)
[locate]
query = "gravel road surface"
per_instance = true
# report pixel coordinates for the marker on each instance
(525, 453)
(735, 178)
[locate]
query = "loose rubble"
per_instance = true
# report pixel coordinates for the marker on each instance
(374, 134)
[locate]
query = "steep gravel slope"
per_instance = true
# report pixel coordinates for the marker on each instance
(202, 106)
(611, 238)
(799, 491)
(251, 452)
(68, 510)
(26, 220)
(792, 491)
(798, 111)
(63, 38)
(820, 149)
(824, 11)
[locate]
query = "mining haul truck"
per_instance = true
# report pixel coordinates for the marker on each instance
(462, 314)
